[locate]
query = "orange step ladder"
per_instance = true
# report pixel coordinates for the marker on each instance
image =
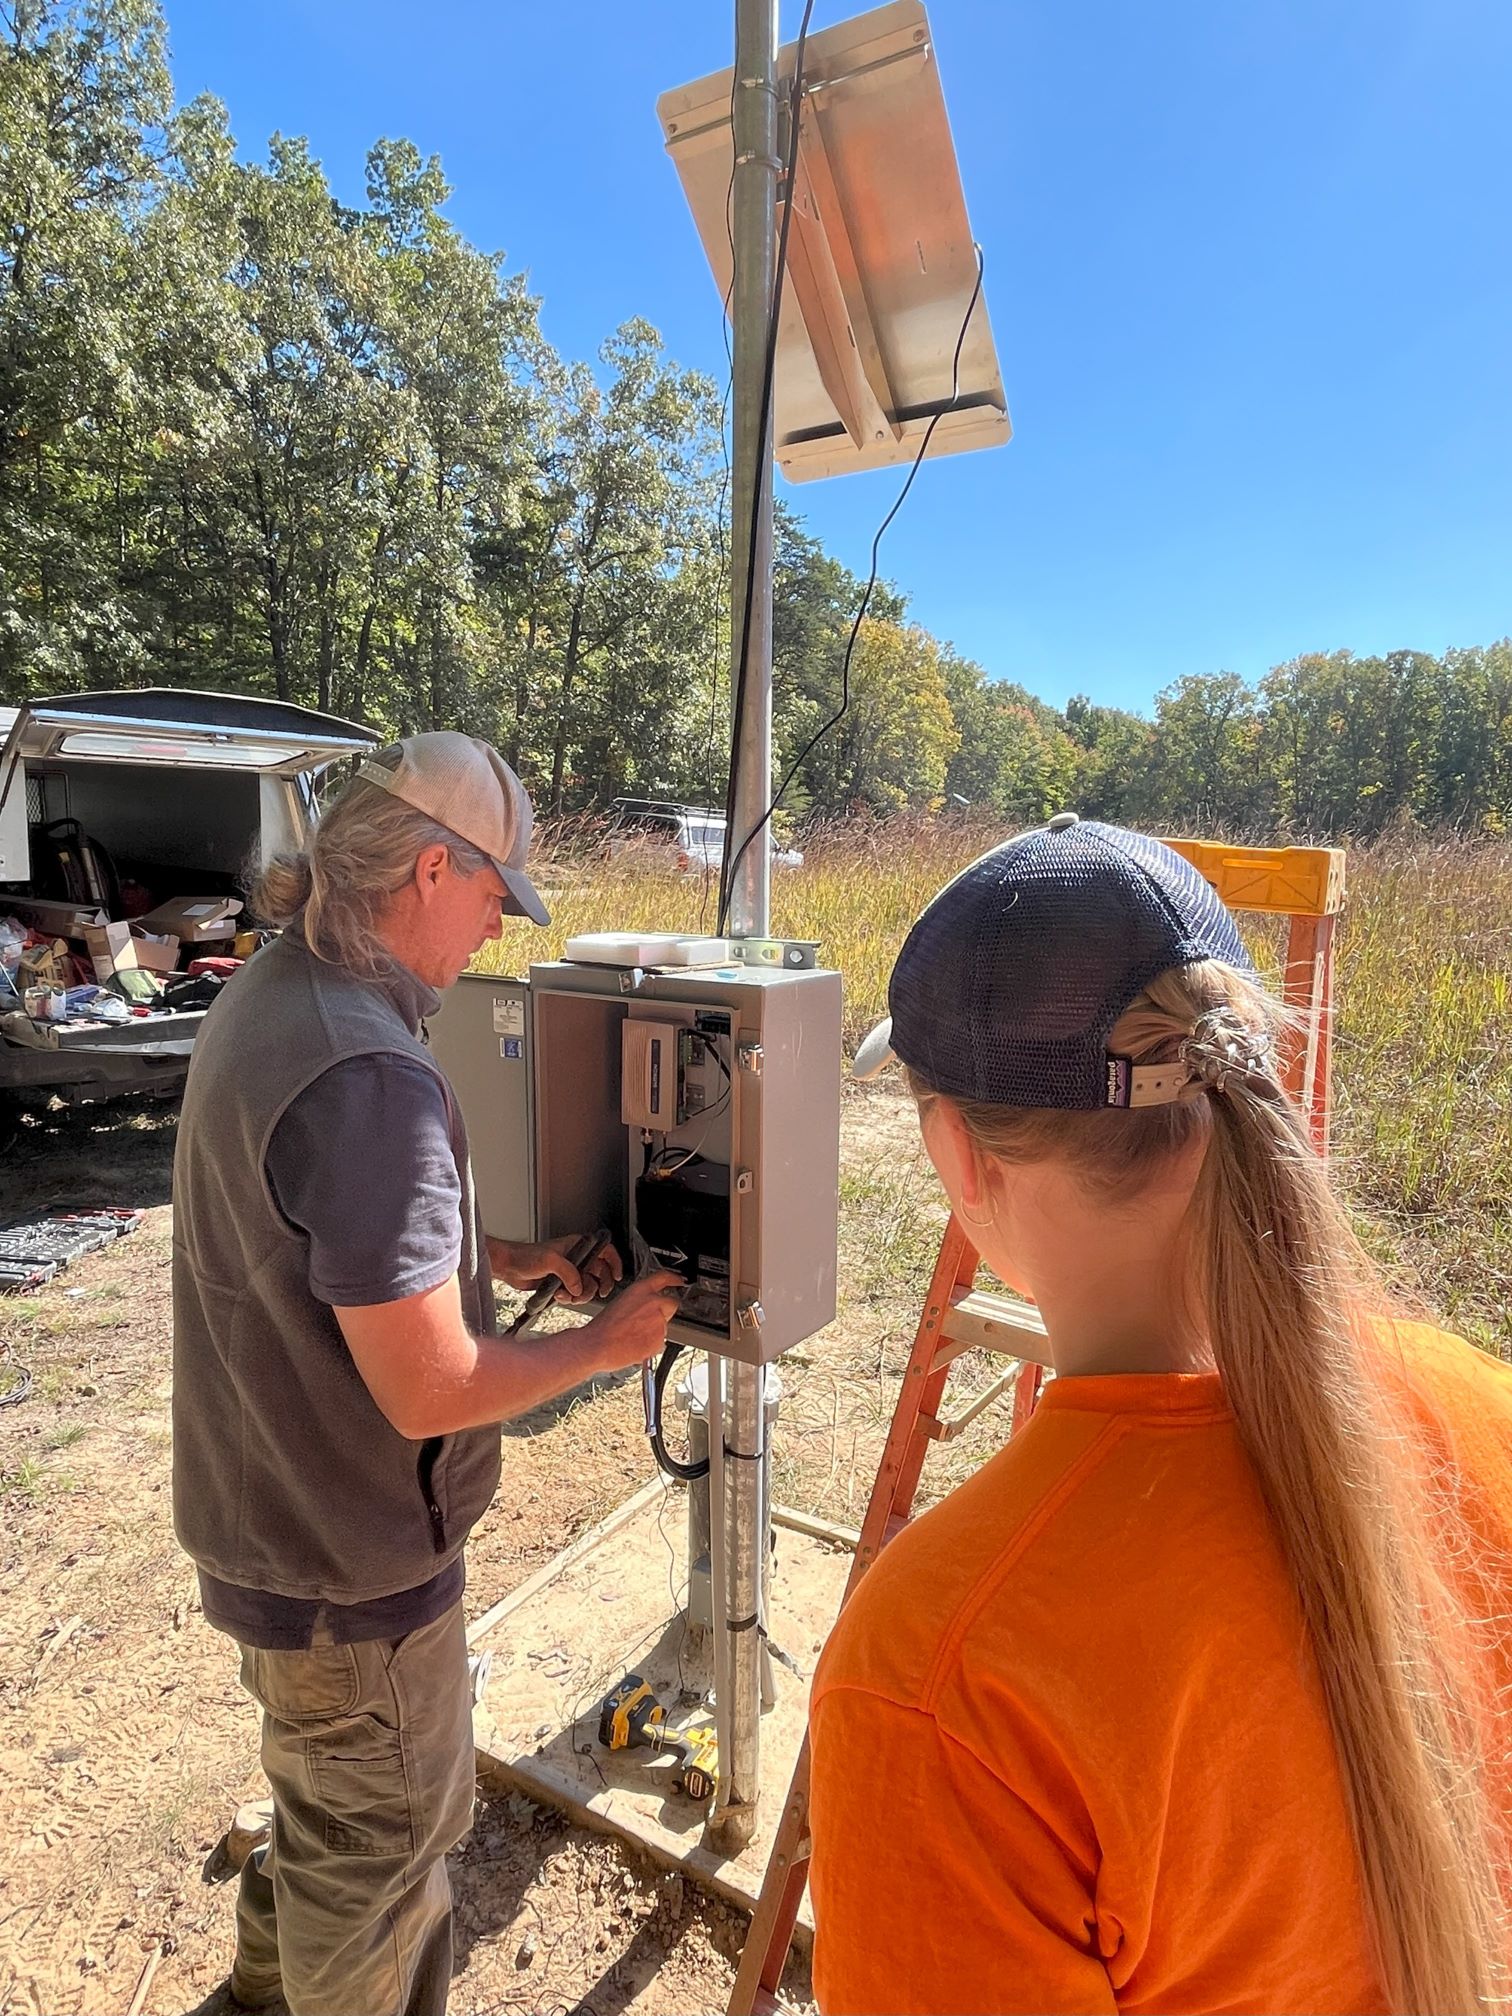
(1304, 884)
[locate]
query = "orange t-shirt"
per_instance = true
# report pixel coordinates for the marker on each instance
(1070, 1750)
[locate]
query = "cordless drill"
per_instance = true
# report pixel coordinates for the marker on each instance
(633, 1718)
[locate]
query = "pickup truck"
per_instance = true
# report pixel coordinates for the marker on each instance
(178, 795)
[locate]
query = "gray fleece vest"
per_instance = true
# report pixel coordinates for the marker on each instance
(286, 1476)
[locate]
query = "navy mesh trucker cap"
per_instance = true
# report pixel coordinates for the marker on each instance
(1008, 986)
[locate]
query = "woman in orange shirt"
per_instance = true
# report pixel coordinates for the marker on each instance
(1192, 1698)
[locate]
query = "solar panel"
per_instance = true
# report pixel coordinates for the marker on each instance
(881, 262)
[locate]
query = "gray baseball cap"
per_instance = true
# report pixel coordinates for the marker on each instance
(467, 787)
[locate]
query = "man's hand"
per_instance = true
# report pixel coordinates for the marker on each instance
(634, 1326)
(430, 1376)
(523, 1266)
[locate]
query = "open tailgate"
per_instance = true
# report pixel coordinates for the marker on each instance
(190, 730)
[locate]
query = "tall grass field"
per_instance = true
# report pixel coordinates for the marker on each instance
(1423, 1030)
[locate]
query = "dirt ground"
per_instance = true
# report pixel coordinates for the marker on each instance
(125, 1739)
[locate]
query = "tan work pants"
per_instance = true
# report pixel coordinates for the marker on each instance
(369, 1751)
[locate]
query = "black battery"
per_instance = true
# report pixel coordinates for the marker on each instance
(684, 1218)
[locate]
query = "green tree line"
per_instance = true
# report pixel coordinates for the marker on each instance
(254, 438)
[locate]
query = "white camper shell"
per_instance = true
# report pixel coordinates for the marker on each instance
(180, 791)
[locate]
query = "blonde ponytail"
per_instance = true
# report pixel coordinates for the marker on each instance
(1286, 1289)
(363, 851)
(1295, 1318)
(282, 889)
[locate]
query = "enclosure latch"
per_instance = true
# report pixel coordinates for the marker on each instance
(752, 1057)
(750, 1315)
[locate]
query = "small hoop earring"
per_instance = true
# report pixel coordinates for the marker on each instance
(980, 1223)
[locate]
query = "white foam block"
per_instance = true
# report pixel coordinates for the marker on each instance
(647, 948)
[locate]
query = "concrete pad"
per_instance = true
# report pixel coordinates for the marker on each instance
(611, 1607)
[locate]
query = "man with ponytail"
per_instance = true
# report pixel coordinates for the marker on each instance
(1195, 1697)
(338, 1384)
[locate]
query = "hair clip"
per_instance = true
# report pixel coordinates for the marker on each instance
(1221, 1046)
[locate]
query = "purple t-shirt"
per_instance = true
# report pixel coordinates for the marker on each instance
(361, 1163)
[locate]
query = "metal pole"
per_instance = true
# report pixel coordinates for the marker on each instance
(719, 1648)
(754, 230)
(739, 1615)
(740, 1421)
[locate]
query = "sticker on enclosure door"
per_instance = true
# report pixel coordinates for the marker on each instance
(508, 1017)
(512, 1047)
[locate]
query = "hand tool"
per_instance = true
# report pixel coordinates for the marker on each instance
(631, 1717)
(581, 1253)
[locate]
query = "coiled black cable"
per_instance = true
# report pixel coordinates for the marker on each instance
(668, 1464)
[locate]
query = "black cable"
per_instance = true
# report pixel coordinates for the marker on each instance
(726, 872)
(720, 535)
(720, 599)
(871, 581)
(730, 231)
(15, 1394)
(669, 1465)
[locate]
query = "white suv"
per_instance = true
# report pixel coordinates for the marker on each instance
(685, 839)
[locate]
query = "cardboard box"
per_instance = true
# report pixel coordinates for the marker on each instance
(194, 920)
(156, 952)
(111, 947)
(58, 920)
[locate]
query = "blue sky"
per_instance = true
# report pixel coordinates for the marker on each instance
(1249, 269)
